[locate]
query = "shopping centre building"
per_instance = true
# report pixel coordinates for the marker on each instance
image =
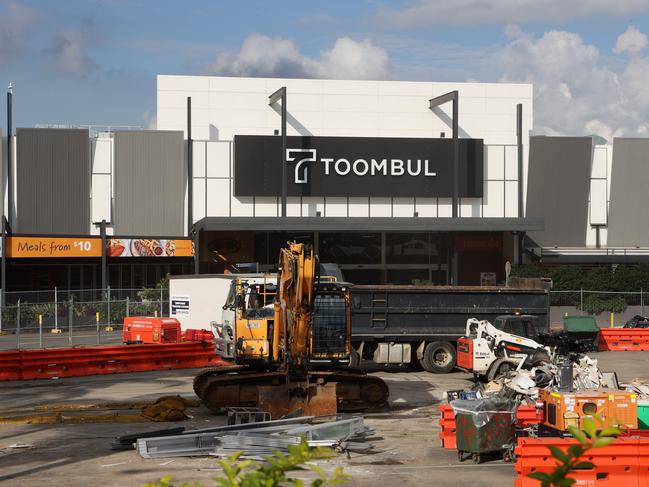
(372, 177)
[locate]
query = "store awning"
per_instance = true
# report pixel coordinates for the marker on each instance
(363, 224)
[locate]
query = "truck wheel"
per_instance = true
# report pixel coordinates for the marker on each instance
(439, 357)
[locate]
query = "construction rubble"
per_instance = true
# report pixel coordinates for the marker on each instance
(255, 439)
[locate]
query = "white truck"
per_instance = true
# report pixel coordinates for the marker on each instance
(206, 302)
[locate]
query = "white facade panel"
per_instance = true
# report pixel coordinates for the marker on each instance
(403, 207)
(598, 202)
(102, 155)
(600, 162)
(493, 200)
(182, 83)
(198, 208)
(101, 197)
(426, 207)
(293, 206)
(218, 159)
(494, 167)
(380, 207)
(218, 197)
(335, 207)
(359, 207)
(312, 205)
(470, 207)
(266, 206)
(198, 158)
(444, 207)
(511, 163)
(511, 199)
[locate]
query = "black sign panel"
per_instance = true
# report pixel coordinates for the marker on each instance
(356, 166)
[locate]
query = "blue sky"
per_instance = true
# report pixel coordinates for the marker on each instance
(94, 62)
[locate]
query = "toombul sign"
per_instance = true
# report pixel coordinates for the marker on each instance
(356, 166)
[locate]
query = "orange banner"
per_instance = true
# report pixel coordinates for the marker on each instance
(21, 247)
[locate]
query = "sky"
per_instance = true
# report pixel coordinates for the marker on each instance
(94, 62)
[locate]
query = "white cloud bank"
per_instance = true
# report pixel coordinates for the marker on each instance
(576, 91)
(261, 55)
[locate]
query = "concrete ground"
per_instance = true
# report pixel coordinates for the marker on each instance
(407, 448)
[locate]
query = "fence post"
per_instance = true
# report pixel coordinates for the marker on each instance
(18, 324)
(641, 302)
(581, 300)
(98, 335)
(56, 310)
(40, 331)
(161, 290)
(108, 320)
(127, 305)
(70, 311)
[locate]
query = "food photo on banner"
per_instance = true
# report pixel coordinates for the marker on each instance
(145, 247)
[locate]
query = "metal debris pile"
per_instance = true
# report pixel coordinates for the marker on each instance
(256, 440)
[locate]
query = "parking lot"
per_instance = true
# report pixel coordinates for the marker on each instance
(407, 450)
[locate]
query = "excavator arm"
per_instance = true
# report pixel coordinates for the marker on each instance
(294, 303)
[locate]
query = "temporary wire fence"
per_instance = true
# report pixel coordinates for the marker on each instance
(75, 318)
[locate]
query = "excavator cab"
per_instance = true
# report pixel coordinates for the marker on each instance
(254, 316)
(330, 330)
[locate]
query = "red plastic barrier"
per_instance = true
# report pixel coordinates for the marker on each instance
(526, 416)
(83, 361)
(624, 339)
(10, 365)
(621, 463)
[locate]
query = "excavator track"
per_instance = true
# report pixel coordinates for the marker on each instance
(242, 386)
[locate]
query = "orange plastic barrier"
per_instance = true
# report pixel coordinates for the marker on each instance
(624, 462)
(526, 416)
(83, 361)
(624, 339)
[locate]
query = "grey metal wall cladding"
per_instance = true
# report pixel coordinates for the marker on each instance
(557, 189)
(150, 183)
(53, 181)
(628, 224)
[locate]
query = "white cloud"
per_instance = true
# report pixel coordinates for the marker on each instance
(475, 12)
(261, 55)
(68, 47)
(576, 91)
(15, 21)
(150, 120)
(631, 41)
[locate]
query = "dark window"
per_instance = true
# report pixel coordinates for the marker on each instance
(410, 248)
(350, 248)
(407, 276)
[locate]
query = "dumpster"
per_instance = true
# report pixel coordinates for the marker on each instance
(483, 427)
(583, 329)
(643, 415)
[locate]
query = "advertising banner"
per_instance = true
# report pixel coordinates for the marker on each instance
(356, 166)
(146, 247)
(35, 247)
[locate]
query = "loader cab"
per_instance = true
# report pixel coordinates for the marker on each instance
(519, 325)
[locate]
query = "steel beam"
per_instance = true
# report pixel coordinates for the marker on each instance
(272, 99)
(190, 168)
(452, 96)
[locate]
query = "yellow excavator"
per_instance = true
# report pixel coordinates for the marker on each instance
(291, 357)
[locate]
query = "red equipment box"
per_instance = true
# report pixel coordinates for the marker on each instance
(193, 335)
(138, 329)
